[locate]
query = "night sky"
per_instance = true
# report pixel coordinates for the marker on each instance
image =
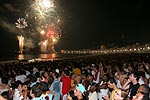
(87, 24)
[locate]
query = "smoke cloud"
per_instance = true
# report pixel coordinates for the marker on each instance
(29, 44)
(8, 26)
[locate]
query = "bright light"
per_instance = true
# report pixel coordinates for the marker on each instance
(21, 43)
(20, 56)
(42, 32)
(45, 3)
(21, 23)
(44, 45)
(54, 40)
(130, 49)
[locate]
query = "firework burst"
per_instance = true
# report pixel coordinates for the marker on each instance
(21, 23)
(43, 17)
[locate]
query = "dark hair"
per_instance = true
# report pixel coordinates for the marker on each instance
(142, 74)
(44, 87)
(71, 93)
(144, 67)
(67, 72)
(56, 74)
(146, 89)
(16, 84)
(145, 97)
(37, 74)
(36, 90)
(96, 86)
(5, 94)
(136, 74)
(33, 78)
(112, 80)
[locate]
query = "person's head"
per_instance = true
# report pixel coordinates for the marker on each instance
(55, 75)
(43, 78)
(71, 95)
(36, 91)
(90, 77)
(46, 74)
(134, 76)
(130, 67)
(44, 87)
(112, 83)
(17, 85)
(72, 75)
(84, 76)
(94, 87)
(79, 91)
(6, 95)
(145, 89)
(78, 79)
(140, 96)
(142, 67)
(95, 68)
(120, 95)
(33, 78)
(121, 77)
(66, 72)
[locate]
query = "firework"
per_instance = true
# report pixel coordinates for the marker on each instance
(42, 32)
(41, 9)
(21, 43)
(45, 19)
(44, 45)
(21, 23)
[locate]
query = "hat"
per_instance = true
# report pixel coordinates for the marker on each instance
(81, 88)
(57, 70)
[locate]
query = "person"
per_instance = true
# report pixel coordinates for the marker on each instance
(21, 76)
(80, 92)
(76, 70)
(46, 93)
(96, 73)
(112, 85)
(55, 86)
(120, 95)
(144, 88)
(33, 80)
(2, 98)
(93, 92)
(140, 96)
(6, 95)
(17, 88)
(71, 95)
(36, 92)
(132, 84)
(78, 79)
(4, 86)
(66, 83)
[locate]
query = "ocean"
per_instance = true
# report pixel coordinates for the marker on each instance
(51, 56)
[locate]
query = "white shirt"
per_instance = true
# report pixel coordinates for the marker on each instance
(103, 92)
(21, 78)
(93, 96)
(17, 95)
(140, 81)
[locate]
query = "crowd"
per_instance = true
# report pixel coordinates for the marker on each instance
(104, 77)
